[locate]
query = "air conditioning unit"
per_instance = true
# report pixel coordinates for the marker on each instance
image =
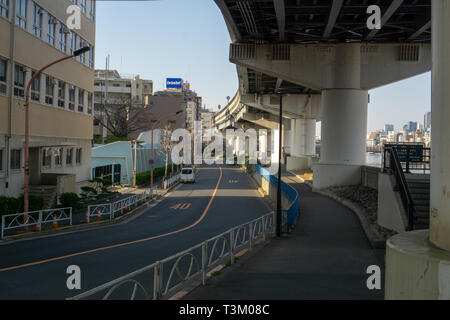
(83, 44)
(52, 20)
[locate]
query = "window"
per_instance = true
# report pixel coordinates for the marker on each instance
(91, 57)
(19, 81)
(49, 92)
(4, 8)
(83, 6)
(90, 103)
(21, 13)
(37, 21)
(80, 100)
(78, 156)
(92, 10)
(58, 157)
(51, 27)
(46, 157)
(71, 97)
(61, 94)
(82, 57)
(36, 88)
(63, 31)
(15, 162)
(3, 70)
(69, 156)
(73, 42)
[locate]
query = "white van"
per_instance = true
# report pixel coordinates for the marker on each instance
(187, 174)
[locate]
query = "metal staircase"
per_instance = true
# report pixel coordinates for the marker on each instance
(420, 194)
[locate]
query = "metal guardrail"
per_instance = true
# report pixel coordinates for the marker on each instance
(36, 219)
(413, 157)
(115, 209)
(289, 216)
(154, 282)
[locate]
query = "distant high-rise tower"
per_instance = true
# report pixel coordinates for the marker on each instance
(427, 121)
(388, 127)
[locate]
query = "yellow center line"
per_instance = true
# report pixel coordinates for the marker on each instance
(124, 243)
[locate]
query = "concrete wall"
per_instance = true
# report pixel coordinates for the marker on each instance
(330, 175)
(391, 213)
(369, 176)
(271, 191)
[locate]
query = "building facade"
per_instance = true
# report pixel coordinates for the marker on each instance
(33, 34)
(115, 91)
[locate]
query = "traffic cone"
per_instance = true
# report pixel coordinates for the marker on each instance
(87, 217)
(98, 214)
(55, 223)
(37, 228)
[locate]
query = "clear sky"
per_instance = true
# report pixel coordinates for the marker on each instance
(189, 39)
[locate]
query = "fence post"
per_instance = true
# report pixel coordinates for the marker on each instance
(204, 261)
(264, 219)
(3, 226)
(111, 211)
(156, 281)
(39, 225)
(231, 245)
(250, 238)
(70, 212)
(87, 220)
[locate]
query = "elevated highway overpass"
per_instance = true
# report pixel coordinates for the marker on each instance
(324, 51)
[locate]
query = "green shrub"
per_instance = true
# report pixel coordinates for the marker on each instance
(10, 205)
(69, 199)
(35, 203)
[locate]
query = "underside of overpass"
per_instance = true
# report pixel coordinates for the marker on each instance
(327, 54)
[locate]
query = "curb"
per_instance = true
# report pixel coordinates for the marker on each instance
(125, 218)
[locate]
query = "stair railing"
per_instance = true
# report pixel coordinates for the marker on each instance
(401, 186)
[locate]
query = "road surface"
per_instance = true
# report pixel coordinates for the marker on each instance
(221, 198)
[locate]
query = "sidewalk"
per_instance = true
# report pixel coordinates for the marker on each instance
(325, 257)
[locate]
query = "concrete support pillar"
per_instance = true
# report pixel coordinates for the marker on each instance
(275, 138)
(304, 137)
(418, 262)
(303, 144)
(440, 135)
(344, 122)
(344, 126)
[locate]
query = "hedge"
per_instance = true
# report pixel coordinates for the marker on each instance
(11, 205)
(144, 178)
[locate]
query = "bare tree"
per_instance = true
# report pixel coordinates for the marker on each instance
(166, 144)
(122, 118)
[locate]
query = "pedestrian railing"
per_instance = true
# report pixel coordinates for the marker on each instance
(171, 181)
(35, 220)
(115, 209)
(164, 278)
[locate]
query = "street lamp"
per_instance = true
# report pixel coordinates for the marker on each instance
(151, 156)
(27, 128)
(279, 212)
